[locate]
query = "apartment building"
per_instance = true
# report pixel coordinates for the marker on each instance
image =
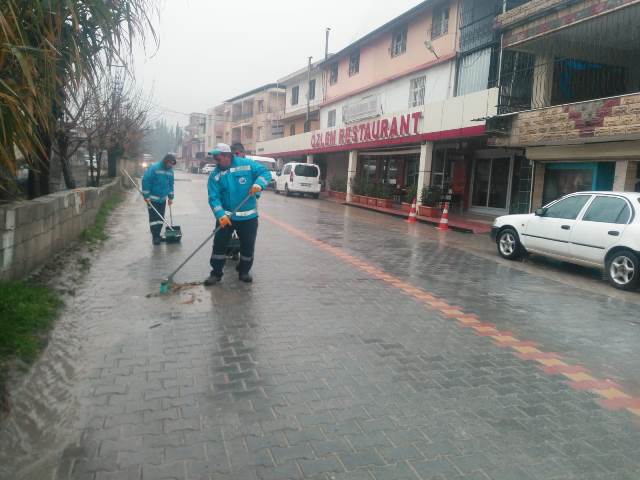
(570, 93)
(193, 142)
(304, 95)
(251, 117)
(391, 111)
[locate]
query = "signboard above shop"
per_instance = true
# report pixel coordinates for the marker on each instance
(397, 126)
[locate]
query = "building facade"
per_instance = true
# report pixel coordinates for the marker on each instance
(304, 93)
(248, 118)
(397, 114)
(193, 142)
(572, 102)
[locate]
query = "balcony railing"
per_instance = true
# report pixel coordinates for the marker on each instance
(242, 116)
(526, 85)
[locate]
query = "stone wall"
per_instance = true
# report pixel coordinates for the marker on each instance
(608, 119)
(520, 30)
(32, 231)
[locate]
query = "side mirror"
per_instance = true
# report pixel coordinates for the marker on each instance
(541, 212)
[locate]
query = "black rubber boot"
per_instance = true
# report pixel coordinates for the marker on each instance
(212, 280)
(157, 240)
(246, 278)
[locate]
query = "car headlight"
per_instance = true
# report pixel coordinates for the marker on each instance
(144, 164)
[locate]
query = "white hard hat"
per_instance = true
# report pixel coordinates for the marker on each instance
(220, 148)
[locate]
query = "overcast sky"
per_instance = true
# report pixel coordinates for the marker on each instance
(211, 50)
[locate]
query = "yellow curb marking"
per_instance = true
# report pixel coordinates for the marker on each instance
(551, 362)
(579, 377)
(611, 393)
(526, 349)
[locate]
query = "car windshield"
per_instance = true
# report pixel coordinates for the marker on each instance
(306, 170)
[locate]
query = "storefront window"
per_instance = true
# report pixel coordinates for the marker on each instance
(369, 168)
(412, 171)
(390, 174)
(491, 183)
(559, 182)
(441, 169)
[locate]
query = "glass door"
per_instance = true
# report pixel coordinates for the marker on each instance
(492, 184)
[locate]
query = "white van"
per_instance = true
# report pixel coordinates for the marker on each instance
(270, 163)
(299, 178)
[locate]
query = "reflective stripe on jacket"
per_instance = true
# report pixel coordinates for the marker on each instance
(227, 188)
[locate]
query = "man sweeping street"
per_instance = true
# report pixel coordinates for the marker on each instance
(234, 179)
(157, 187)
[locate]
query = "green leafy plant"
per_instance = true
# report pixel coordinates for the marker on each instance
(338, 184)
(412, 192)
(431, 196)
(97, 232)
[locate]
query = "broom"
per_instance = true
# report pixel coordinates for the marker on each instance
(165, 286)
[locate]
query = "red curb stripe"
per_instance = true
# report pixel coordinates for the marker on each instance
(621, 402)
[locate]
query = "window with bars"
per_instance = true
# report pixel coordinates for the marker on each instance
(416, 91)
(333, 73)
(295, 93)
(399, 42)
(440, 21)
(354, 63)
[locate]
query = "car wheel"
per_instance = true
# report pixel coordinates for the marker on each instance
(286, 190)
(509, 244)
(623, 270)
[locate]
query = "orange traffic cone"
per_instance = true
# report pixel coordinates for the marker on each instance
(412, 213)
(444, 220)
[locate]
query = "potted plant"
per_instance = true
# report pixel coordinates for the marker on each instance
(385, 198)
(430, 199)
(372, 194)
(410, 195)
(358, 191)
(338, 188)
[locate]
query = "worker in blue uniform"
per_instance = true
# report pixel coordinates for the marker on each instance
(234, 179)
(157, 189)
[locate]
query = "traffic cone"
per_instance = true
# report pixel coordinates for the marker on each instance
(444, 220)
(412, 213)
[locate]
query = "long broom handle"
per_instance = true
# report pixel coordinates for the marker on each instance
(150, 203)
(207, 240)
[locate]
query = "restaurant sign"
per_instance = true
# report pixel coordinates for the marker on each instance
(371, 131)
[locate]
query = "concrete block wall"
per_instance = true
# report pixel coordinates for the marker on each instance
(608, 119)
(32, 231)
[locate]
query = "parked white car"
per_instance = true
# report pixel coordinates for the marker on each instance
(594, 229)
(301, 178)
(270, 164)
(208, 168)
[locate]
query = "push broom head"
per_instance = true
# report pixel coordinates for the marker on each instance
(165, 287)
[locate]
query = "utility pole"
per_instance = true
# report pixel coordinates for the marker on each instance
(326, 43)
(307, 125)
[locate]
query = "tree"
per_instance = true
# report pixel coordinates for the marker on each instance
(47, 49)
(115, 123)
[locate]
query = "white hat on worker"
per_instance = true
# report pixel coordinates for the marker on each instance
(220, 148)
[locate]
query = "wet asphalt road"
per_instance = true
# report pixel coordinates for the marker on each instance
(365, 349)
